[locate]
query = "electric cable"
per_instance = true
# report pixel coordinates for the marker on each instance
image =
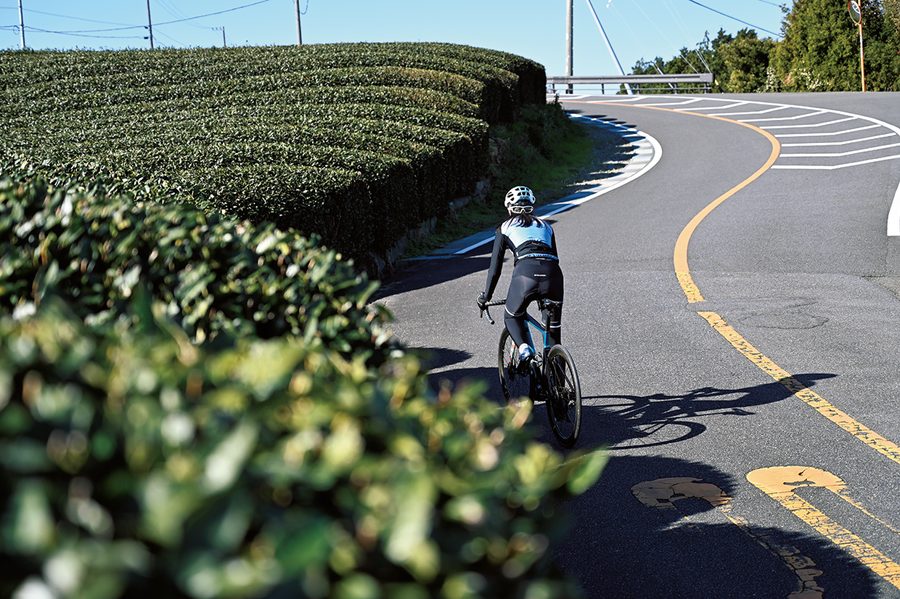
(734, 18)
(195, 17)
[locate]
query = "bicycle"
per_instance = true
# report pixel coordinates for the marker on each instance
(551, 376)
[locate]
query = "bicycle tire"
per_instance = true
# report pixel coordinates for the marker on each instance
(512, 384)
(563, 396)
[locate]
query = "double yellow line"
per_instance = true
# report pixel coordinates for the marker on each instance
(877, 562)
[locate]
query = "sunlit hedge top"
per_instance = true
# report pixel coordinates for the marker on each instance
(270, 134)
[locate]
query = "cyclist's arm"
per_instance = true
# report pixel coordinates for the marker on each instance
(553, 242)
(496, 266)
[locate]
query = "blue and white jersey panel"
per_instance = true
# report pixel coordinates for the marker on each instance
(519, 235)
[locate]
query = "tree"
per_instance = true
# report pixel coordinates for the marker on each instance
(745, 61)
(820, 49)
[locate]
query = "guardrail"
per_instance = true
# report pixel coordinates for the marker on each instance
(673, 83)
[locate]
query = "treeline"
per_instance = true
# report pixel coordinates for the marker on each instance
(819, 51)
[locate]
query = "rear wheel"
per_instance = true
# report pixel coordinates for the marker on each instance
(563, 396)
(513, 383)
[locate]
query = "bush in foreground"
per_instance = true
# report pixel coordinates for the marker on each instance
(214, 275)
(135, 463)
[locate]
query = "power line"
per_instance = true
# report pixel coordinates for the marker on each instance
(195, 17)
(734, 18)
(53, 14)
(74, 34)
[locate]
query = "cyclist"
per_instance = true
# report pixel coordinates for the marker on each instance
(536, 273)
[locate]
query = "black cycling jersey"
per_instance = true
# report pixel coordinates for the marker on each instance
(527, 237)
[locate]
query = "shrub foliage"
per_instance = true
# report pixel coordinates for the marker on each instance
(214, 275)
(355, 142)
(133, 462)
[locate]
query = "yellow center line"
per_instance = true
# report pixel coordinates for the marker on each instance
(803, 393)
(846, 422)
(781, 484)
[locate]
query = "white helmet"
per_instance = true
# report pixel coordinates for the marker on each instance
(519, 200)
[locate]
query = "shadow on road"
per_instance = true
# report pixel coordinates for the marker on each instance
(623, 547)
(421, 274)
(629, 421)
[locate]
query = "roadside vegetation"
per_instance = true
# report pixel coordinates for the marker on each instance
(196, 397)
(354, 142)
(542, 149)
(819, 51)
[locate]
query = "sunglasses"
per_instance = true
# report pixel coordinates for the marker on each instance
(521, 209)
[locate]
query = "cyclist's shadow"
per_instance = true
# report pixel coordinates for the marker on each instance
(629, 421)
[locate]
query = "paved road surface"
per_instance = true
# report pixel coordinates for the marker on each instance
(750, 399)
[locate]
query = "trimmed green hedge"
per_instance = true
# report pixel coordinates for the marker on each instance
(214, 275)
(384, 134)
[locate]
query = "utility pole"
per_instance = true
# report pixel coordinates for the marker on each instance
(855, 8)
(862, 60)
(608, 44)
(224, 43)
(569, 42)
(150, 24)
(299, 29)
(22, 24)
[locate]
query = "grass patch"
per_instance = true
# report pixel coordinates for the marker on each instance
(544, 150)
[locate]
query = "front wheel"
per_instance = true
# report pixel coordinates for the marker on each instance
(514, 384)
(563, 396)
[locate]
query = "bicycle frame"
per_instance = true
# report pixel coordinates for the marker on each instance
(535, 324)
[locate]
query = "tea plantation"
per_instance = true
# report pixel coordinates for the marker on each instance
(355, 142)
(196, 397)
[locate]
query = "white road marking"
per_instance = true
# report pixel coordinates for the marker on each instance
(835, 122)
(784, 118)
(692, 101)
(766, 111)
(715, 107)
(839, 154)
(617, 101)
(600, 190)
(818, 167)
(838, 143)
(893, 224)
(827, 134)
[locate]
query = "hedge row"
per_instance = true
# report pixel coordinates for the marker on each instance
(213, 275)
(384, 135)
(135, 464)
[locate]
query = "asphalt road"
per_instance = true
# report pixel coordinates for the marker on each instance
(749, 402)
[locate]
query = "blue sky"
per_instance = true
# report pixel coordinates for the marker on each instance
(533, 28)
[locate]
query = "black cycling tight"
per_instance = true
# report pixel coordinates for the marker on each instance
(533, 279)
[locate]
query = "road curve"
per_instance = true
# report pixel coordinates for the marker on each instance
(734, 314)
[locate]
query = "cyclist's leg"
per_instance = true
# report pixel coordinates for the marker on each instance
(552, 289)
(523, 288)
